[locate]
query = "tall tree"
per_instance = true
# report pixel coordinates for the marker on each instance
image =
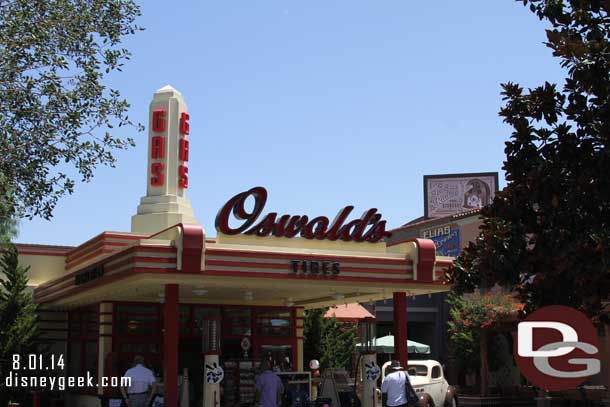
(18, 320)
(312, 332)
(337, 344)
(548, 232)
(54, 103)
(327, 340)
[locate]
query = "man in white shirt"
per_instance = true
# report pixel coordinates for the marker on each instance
(143, 384)
(394, 384)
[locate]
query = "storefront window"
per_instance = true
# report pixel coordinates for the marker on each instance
(238, 321)
(185, 320)
(138, 332)
(75, 361)
(280, 356)
(274, 323)
(138, 320)
(83, 340)
(139, 348)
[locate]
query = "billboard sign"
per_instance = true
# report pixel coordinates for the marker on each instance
(446, 238)
(448, 194)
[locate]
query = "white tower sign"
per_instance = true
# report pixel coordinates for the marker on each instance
(165, 203)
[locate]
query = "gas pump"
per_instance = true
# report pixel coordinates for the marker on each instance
(369, 370)
(214, 373)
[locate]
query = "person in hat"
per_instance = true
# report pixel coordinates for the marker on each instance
(395, 385)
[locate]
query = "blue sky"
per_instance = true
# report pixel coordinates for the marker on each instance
(324, 102)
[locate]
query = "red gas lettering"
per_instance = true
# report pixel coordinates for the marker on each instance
(184, 150)
(156, 172)
(157, 147)
(158, 120)
(183, 180)
(184, 123)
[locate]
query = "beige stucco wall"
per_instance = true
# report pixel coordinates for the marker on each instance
(42, 268)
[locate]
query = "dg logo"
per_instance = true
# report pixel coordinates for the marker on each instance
(557, 348)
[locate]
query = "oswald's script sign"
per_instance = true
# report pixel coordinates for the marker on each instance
(368, 228)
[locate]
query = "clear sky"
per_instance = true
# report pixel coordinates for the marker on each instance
(324, 102)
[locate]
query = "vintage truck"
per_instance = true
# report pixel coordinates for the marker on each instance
(429, 383)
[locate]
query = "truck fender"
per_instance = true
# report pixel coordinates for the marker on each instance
(425, 400)
(451, 394)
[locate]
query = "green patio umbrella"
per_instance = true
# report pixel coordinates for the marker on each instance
(385, 344)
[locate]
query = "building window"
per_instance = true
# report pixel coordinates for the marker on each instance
(138, 331)
(237, 322)
(83, 341)
(138, 320)
(436, 372)
(274, 323)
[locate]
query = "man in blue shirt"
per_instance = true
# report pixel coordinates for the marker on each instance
(269, 387)
(394, 384)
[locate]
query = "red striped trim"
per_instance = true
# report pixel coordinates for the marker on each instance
(53, 294)
(411, 239)
(41, 249)
(303, 256)
(444, 263)
(44, 297)
(304, 277)
(288, 267)
(134, 259)
(41, 289)
(99, 252)
(158, 270)
(105, 235)
(37, 253)
(101, 243)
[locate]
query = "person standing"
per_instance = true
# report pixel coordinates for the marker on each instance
(395, 385)
(269, 387)
(143, 384)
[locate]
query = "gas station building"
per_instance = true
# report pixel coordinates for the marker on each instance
(183, 300)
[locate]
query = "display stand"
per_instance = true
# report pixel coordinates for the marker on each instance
(239, 382)
(297, 387)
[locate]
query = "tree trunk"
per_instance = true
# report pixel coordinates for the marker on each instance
(484, 367)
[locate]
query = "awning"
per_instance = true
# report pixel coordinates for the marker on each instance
(353, 311)
(385, 344)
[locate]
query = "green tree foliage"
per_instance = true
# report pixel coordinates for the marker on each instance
(338, 344)
(54, 59)
(18, 320)
(468, 317)
(328, 341)
(548, 232)
(8, 222)
(312, 333)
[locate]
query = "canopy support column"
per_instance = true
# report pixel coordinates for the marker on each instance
(170, 345)
(400, 327)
